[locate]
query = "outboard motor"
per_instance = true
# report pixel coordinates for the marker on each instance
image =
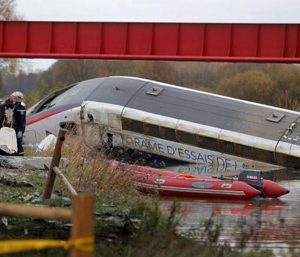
(252, 177)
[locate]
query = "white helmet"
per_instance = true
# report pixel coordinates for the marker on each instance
(18, 94)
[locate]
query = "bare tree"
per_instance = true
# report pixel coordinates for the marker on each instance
(70, 71)
(7, 12)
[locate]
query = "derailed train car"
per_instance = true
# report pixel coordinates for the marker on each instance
(172, 121)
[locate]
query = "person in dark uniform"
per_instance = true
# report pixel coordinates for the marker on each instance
(19, 119)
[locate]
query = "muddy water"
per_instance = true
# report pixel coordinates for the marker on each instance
(275, 223)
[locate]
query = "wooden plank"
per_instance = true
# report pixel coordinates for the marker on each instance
(27, 211)
(68, 185)
(55, 162)
(83, 222)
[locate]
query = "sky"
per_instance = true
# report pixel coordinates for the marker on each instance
(237, 11)
(211, 11)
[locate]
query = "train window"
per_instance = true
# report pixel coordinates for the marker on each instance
(167, 133)
(44, 103)
(207, 142)
(132, 125)
(151, 130)
(74, 94)
(185, 137)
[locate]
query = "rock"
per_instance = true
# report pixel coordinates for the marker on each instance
(65, 200)
(4, 221)
(13, 182)
(29, 163)
(37, 200)
(27, 198)
(8, 182)
(25, 184)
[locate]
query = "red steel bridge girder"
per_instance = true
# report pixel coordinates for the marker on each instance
(156, 41)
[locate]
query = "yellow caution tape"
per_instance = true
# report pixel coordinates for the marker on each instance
(13, 246)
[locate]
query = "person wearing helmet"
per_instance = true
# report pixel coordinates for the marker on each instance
(19, 119)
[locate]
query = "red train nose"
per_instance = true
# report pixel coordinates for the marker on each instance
(272, 189)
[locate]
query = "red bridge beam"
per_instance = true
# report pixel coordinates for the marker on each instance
(155, 41)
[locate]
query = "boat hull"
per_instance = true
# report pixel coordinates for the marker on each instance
(168, 183)
(198, 188)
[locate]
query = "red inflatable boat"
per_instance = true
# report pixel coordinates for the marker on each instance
(248, 185)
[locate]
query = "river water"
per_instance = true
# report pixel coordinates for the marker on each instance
(274, 223)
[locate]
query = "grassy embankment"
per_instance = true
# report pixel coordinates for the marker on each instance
(130, 224)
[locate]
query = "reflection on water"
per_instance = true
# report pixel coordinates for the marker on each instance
(194, 211)
(216, 170)
(277, 221)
